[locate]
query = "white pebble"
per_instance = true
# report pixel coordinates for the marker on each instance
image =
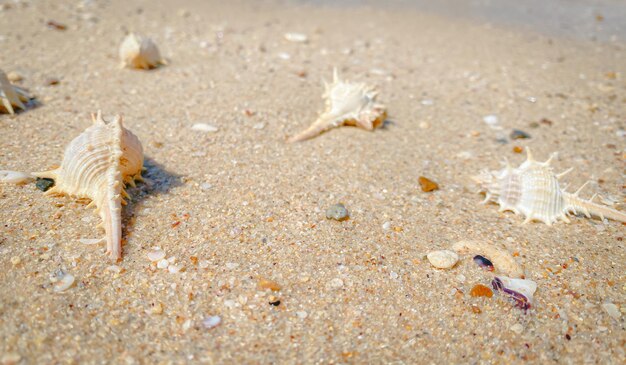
(203, 264)
(156, 255)
(302, 314)
(259, 126)
(336, 283)
(205, 186)
(203, 127)
(490, 119)
(231, 265)
(393, 275)
(114, 268)
(387, 226)
(174, 269)
(230, 303)
(296, 37)
(163, 264)
(211, 322)
(64, 282)
(443, 259)
(460, 278)
(612, 310)
(517, 328)
(284, 56)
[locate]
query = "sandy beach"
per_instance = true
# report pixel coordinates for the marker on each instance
(239, 207)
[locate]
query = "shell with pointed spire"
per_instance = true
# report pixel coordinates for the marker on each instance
(347, 103)
(11, 96)
(533, 190)
(96, 165)
(140, 52)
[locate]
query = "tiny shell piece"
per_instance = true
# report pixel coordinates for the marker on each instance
(156, 255)
(11, 96)
(520, 290)
(14, 177)
(502, 260)
(443, 259)
(97, 165)
(140, 52)
(337, 212)
(296, 37)
(533, 190)
(347, 103)
(65, 281)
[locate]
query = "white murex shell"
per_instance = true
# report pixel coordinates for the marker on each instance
(96, 165)
(141, 52)
(11, 96)
(533, 190)
(347, 103)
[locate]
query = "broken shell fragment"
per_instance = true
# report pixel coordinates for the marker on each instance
(520, 290)
(11, 96)
(500, 258)
(97, 165)
(14, 177)
(140, 52)
(347, 103)
(443, 259)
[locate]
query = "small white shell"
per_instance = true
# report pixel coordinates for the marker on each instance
(347, 103)
(90, 241)
(443, 259)
(140, 52)
(156, 255)
(64, 282)
(14, 177)
(96, 165)
(533, 190)
(11, 96)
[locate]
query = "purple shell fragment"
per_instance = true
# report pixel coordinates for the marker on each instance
(520, 290)
(483, 262)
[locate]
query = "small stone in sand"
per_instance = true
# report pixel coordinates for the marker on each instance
(517, 328)
(612, 310)
(63, 281)
(337, 212)
(480, 290)
(156, 255)
(16, 260)
(203, 127)
(174, 269)
(56, 25)
(44, 184)
(519, 134)
(518, 149)
(211, 322)
(274, 301)
(268, 284)
(296, 37)
(427, 185)
(10, 358)
(51, 81)
(163, 264)
(336, 283)
(302, 314)
(443, 259)
(14, 76)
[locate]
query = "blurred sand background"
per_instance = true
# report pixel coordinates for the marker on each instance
(248, 205)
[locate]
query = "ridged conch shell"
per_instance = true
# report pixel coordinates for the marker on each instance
(140, 52)
(96, 165)
(11, 96)
(347, 103)
(533, 190)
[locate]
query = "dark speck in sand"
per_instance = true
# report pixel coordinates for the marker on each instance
(44, 184)
(519, 134)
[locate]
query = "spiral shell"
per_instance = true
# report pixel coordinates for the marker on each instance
(96, 165)
(347, 103)
(533, 190)
(141, 52)
(11, 96)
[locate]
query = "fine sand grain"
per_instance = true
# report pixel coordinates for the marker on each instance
(238, 207)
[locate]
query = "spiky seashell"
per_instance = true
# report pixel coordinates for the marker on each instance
(533, 190)
(96, 165)
(11, 96)
(347, 103)
(140, 52)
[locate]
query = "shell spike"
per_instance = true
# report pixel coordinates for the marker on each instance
(551, 158)
(559, 176)
(529, 154)
(581, 188)
(576, 204)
